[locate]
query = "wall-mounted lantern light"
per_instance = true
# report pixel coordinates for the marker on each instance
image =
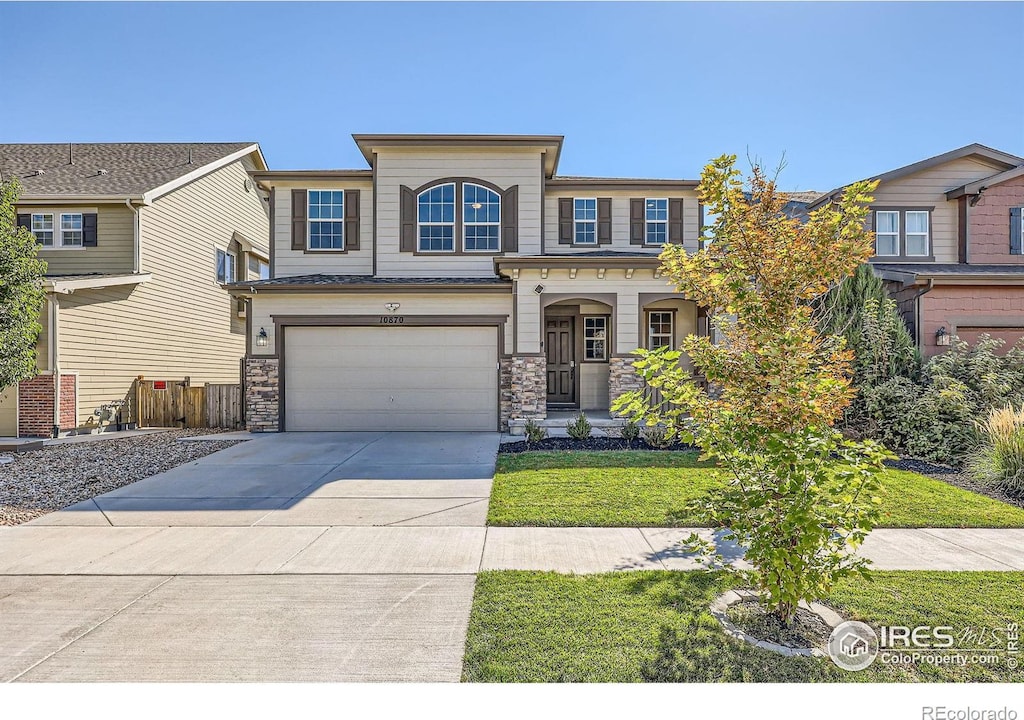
(262, 340)
(392, 306)
(941, 336)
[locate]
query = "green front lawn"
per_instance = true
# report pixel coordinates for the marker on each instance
(651, 489)
(654, 626)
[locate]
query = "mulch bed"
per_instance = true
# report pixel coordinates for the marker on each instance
(807, 630)
(590, 444)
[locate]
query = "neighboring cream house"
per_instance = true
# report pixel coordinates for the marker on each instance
(459, 283)
(138, 240)
(949, 244)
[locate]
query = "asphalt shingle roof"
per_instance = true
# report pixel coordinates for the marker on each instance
(950, 269)
(327, 280)
(115, 169)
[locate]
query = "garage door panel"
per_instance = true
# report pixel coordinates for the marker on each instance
(1011, 335)
(405, 378)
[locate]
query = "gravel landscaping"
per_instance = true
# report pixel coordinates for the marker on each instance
(41, 481)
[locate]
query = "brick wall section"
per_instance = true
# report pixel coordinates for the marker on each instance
(262, 394)
(622, 377)
(964, 305)
(528, 387)
(989, 223)
(68, 401)
(35, 407)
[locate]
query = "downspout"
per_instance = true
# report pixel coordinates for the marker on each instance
(137, 249)
(53, 305)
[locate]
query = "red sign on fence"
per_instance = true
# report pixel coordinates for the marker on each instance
(159, 384)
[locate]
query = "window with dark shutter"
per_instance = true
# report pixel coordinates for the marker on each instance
(604, 221)
(25, 220)
(636, 221)
(565, 221)
(510, 220)
(351, 210)
(89, 235)
(675, 221)
(298, 219)
(407, 213)
(1016, 232)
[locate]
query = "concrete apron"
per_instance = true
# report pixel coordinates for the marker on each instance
(306, 557)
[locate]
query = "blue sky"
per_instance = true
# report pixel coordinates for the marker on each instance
(844, 90)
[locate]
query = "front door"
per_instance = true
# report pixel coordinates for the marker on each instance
(561, 356)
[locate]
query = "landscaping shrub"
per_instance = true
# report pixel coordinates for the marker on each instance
(534, 432)
(657, 437)
(579, 427)
(630, 432)
(999, 459)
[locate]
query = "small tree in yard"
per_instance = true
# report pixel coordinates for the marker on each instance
(800, 498)
(21, 291)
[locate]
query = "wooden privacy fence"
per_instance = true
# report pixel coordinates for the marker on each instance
(178, 403)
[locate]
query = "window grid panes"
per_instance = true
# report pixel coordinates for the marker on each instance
(585, 221)
(659, 330)
(42, 228)
(436, 217)
(326, 219)
(481, 218)
(887, 232)
(225, 267)
(595, 338)
(71, 229)
(916, 228)
(656, 221)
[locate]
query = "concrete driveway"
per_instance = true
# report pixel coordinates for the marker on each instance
(290, 557)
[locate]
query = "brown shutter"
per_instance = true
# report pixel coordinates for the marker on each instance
(604, 221)
(351, 219)
(510, 220)
(636, 221)
(89, 238)
(298, 219)
(407, 212)
(25, 221)
(675, 221)
(565, 221)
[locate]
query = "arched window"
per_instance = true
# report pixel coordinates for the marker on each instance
(481, 218)
(436, 218)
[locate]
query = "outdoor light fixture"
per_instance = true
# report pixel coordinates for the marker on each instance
(539, 289)
(261, 339)
(391, 307)
(941, 336)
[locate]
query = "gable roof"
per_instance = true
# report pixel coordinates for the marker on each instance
(141, 171)
(996, 157)
(552, 144)
(973, 188)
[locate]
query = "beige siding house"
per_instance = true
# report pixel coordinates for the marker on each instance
(138, 239)
(458, 283)
(949, 245)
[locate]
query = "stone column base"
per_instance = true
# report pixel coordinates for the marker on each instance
(622, 377)
(262, 394)
(528, 388)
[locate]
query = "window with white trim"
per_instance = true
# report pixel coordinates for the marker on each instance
(595, 337)
(42, 228)
(659, 329)
(584, 214)
(655, 221)
(435, 215)
(71, 229)
(326, 218)
(887, 232)
(225, 267)
(916, 233)
(481, 218)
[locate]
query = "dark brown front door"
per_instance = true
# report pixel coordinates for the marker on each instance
(560, 347)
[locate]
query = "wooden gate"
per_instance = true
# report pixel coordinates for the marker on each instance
(177, 403)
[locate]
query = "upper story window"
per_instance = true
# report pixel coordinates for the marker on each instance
(42, 228)
(1016, 231)
(326, 219)
(259, 268)
(436, 219)
(903, 233)
(71, 229)
(655, 221)
(225, 267)
(481, 218)
(584, 212)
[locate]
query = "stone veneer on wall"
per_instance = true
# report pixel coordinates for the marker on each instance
(622, 377)
(528, 388)
(261, 394)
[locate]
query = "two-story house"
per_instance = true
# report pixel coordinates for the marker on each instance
(139, 239)
(948, 243)
(459, 283)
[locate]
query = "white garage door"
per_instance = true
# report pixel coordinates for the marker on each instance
(394, 378)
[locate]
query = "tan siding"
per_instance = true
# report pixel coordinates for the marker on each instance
(289, 263)
(928, 189)
(181, 322)
(620, 218)
(594, 386)
(115, 241)
(416, 168)
(9, 411)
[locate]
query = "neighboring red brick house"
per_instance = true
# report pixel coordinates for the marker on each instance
(949, 243)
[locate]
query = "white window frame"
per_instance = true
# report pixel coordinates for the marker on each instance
(452, 224)
(927, 233)
(896, 232)
(648, 223)
(52, 230)
(80, 230)
(576, 222)
(1021, 208)
(229, 277)
(311, 220)
(671, 335)
(604, 338)
(489, 223)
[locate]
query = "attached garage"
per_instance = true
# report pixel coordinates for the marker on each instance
(390, 378)
(972, 333)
